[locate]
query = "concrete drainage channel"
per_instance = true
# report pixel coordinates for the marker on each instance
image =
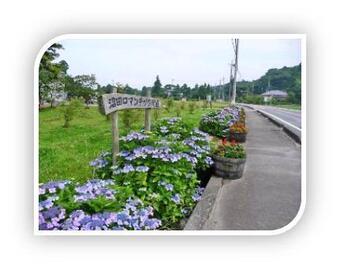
(201, 213)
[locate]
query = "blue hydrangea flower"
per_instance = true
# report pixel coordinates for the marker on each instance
(127, 169)
(93, 189)
(134, 136)
(142, 169)
(176, 198)
(169, 187)
(46, 204)
(198, 194)
(209, 161)
(51, 219)
(164, 130)
(53, 186)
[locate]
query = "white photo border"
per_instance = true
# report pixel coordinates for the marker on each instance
(281, 230)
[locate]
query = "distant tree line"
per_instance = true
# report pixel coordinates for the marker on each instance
(286, 79)
(54, 80)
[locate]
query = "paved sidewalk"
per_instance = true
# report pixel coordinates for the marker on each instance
(267, 197)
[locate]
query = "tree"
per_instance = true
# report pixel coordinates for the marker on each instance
(85, 87)
(51, 73)
(157, 88)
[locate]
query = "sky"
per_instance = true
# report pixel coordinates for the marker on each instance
(137, 62)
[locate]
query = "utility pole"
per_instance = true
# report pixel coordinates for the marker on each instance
(233, 99)
(223, 93)
(230, 82)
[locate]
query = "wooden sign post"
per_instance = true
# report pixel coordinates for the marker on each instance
(115, 133)
(114, 102)
(147, 122)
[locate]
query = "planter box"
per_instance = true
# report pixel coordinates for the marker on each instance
(238, 137)
(228, 168)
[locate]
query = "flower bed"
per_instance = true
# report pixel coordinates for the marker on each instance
(152, 186)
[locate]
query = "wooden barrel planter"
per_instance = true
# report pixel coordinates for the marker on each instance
(238, 137)
(228, 168)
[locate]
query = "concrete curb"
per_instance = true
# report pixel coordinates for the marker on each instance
(202, 211)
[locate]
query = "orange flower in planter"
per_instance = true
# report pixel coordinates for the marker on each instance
(239, 127)
(224, 141)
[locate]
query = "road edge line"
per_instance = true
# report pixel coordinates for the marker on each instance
(282, 123)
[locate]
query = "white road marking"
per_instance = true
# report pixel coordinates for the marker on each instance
(275, 117)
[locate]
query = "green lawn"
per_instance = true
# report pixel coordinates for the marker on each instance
(65, 153)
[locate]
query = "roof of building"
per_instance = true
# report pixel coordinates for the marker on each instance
(275, 93)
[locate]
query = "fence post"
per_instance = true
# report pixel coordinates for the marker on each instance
(147, 122)
(115, 134)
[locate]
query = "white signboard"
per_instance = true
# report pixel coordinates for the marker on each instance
(116, 101)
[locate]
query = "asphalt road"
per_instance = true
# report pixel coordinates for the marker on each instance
(291, 116)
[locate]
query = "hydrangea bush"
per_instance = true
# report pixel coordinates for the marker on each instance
(153, 185)
(98, 209)
(218, 123)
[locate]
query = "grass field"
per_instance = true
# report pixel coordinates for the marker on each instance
(65, 153)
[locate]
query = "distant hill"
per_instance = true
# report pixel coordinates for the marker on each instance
(285, 79)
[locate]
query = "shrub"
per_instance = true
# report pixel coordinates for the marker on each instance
(218, 123)
(182, 105)
(171, 127)
(159, 168)
(153, 184)
(192, 107)
(69, 110)
(178, 110)
(127, 117)
(94, 205)
(169, 104)
(156, 113)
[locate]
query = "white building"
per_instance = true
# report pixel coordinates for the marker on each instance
(274, 94)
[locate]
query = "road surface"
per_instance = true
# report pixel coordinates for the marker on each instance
(291, 116)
